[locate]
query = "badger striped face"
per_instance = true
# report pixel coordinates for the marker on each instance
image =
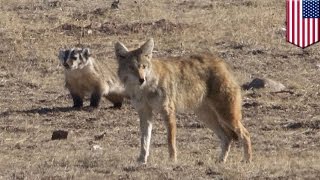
(75, 58)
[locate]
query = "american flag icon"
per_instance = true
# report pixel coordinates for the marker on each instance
(303, 27)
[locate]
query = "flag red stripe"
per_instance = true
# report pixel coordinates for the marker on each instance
(303, 36)
(298, 24)
(316, 21)
(287, 20)
(314, 31)
(293, 15)
(308, 40)
(318, 29)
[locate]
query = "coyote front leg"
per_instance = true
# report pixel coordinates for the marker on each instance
(145, 116)
(170, 120)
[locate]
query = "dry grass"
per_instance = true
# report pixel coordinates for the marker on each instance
(246, 33)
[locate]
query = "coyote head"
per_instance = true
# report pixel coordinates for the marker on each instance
(134, 66)
(75, 58)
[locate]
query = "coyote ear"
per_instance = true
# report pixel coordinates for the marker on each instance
(63, 55)
(86, 53)
(120, 49)
(147, 47)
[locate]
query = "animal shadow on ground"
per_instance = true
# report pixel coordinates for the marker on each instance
(40, 110)
(48, 110)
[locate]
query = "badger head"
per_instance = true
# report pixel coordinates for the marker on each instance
(75, 58)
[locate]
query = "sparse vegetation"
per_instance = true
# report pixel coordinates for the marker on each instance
(248, 34)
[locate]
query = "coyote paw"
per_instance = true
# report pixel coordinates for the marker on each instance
(173, 159)
(221, 160)
(142, 160)
(246, 161)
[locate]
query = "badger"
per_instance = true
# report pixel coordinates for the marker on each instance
(87, 77)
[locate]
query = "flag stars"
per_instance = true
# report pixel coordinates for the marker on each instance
(311, 8)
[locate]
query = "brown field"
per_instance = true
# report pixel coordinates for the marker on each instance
(248, 34)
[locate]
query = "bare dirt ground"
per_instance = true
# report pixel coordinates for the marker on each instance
(248, 34)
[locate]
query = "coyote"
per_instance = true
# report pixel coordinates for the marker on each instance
(83, 76)
(199, 83)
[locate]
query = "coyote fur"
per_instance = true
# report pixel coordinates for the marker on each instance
(84, 77)
(202, 83)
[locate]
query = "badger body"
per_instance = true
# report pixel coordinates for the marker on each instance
(86, 77)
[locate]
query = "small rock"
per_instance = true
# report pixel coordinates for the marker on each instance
(211, 172)
(250, 104)
(115, 4)
(59, 134)
(18, 146)
(95, 25)
(296, 146)
(53, 3)
(100, 11)
(96, 148)
(200, 163)
(177, 168)
(259, 83)
(99, 136)
(293, 125)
